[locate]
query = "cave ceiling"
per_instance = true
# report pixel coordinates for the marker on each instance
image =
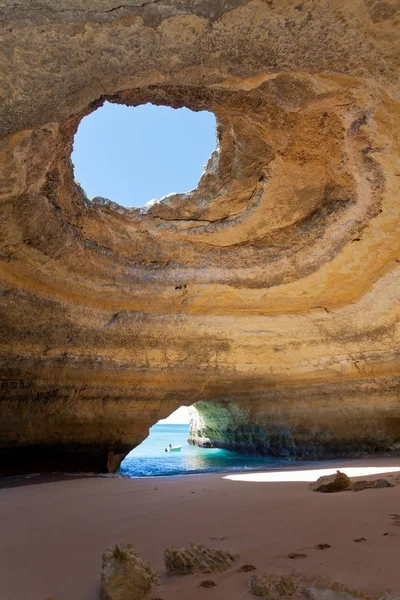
(274, 284)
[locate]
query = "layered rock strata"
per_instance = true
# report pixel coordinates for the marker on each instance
(273, 287)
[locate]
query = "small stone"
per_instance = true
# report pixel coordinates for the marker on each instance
(197, 558)
(361, 539)
(208, 583)
(297, 555)
(331, 483)
(124, 575)
(395, 519)
(273, 586)
(322, 546)
(247, 568)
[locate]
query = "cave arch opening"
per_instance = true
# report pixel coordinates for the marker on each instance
(180, 429)
(136, 155)
(194, 440)
(153, 456)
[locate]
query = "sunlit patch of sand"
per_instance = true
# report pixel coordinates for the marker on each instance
(307, 475)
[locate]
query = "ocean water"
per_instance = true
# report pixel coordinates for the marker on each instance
(150, 459)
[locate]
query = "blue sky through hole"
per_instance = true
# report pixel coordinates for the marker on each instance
(134, 154)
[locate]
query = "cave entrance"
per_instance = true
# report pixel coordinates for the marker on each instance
(149, 459)
(133, 155)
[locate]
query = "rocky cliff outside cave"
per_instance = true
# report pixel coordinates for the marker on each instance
(269, 295)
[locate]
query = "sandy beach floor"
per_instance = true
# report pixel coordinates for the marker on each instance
(53, 534)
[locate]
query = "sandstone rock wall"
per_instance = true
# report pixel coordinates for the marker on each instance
(273, 286)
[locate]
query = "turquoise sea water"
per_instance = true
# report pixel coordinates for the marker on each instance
(150, 459)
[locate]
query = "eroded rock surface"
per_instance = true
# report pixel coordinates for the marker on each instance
(124, 575)
(327, 590)
(365, 484)
(183, 561)
(338, 482)
(270, 293)
(273, 586)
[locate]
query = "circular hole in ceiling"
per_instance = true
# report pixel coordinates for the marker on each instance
(132, 155)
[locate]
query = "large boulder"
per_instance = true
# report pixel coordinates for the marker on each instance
(124, 575)
(332, 483)
(197, 558)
